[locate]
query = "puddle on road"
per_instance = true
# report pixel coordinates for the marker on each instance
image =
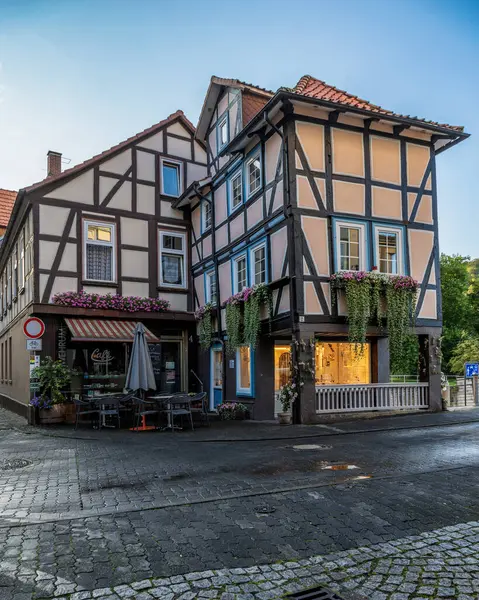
(312, 447)
(340, 467)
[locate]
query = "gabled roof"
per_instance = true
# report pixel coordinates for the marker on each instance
(7, 200)
(212, 95)
(139, 136)
(315, 88)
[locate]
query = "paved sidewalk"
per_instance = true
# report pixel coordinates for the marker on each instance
(436, 564)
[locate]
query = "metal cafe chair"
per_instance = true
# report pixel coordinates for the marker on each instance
(143, 409)
(180, 406)
(199, 405)
(85, 407)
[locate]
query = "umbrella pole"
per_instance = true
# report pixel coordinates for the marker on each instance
(144, 426)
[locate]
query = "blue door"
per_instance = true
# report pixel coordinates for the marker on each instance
(216, 382)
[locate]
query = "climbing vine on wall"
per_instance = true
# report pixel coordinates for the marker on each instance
(382, 299)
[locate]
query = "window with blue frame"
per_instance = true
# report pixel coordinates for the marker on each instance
(350, 246)
(222, 132)
(236, 191)
(388, 249)
(210, 287)
(244, 371)
(258, 264)
(170, 178)
(253, 174)
(206, 215)
(240, 273)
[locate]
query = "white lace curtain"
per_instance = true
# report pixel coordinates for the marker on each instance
(99, 262)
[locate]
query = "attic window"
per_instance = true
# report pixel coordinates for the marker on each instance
(223, 132)
(171, 178)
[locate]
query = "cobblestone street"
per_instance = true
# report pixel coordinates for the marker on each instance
(110, 515)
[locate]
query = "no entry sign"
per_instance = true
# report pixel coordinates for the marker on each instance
(33, 328)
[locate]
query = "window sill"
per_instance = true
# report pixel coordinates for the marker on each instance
(178, 290)
(111, 284)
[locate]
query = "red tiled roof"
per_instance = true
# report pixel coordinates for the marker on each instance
(7, 200)
(252, 104)
(178, 114)
(315, 88)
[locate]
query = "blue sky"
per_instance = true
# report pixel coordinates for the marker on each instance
(78, 76)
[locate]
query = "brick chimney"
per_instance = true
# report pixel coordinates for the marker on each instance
(54, 163)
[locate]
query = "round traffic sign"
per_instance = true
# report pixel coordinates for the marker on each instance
(34, 328)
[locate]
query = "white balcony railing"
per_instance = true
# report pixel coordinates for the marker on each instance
(374, 396)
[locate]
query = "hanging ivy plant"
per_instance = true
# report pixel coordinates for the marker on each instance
(401, 294)
(243, 316)
(254, 299)
(366, 296)
(234, 325)
(204, 316)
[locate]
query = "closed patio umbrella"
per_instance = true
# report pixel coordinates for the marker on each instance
(140, 376)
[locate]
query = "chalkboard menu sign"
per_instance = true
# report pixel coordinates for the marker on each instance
(155, 355)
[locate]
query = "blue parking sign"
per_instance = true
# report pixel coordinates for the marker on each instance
(471, 369)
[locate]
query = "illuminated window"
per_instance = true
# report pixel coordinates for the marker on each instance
(172, 259)
(99, 251)
(282, 366)
(244, 371)
(338, 363)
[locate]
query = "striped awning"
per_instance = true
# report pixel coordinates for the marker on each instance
(98, 330)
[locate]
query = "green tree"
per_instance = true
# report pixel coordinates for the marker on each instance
(457, 310)
(466, 351)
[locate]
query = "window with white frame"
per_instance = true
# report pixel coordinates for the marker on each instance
(5, 289)
(171, 178)
(9, 283)
(15, 273)
(207, 214)
(253, 174)
(211, 293)
(172, 259)
(388, 250)
(223, 132)
(350, 246)
(244, 375)
(259, 264)
(236, 190)
(21, 264)
(240, 273)
(99, 251)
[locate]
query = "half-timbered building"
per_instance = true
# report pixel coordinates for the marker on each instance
(303, 183)
(106, 226)
(284, 188)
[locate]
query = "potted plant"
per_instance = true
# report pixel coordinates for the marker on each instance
(232, 411)
(287, 395)
(53, 376)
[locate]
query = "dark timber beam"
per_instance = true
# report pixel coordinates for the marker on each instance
(398, 129)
